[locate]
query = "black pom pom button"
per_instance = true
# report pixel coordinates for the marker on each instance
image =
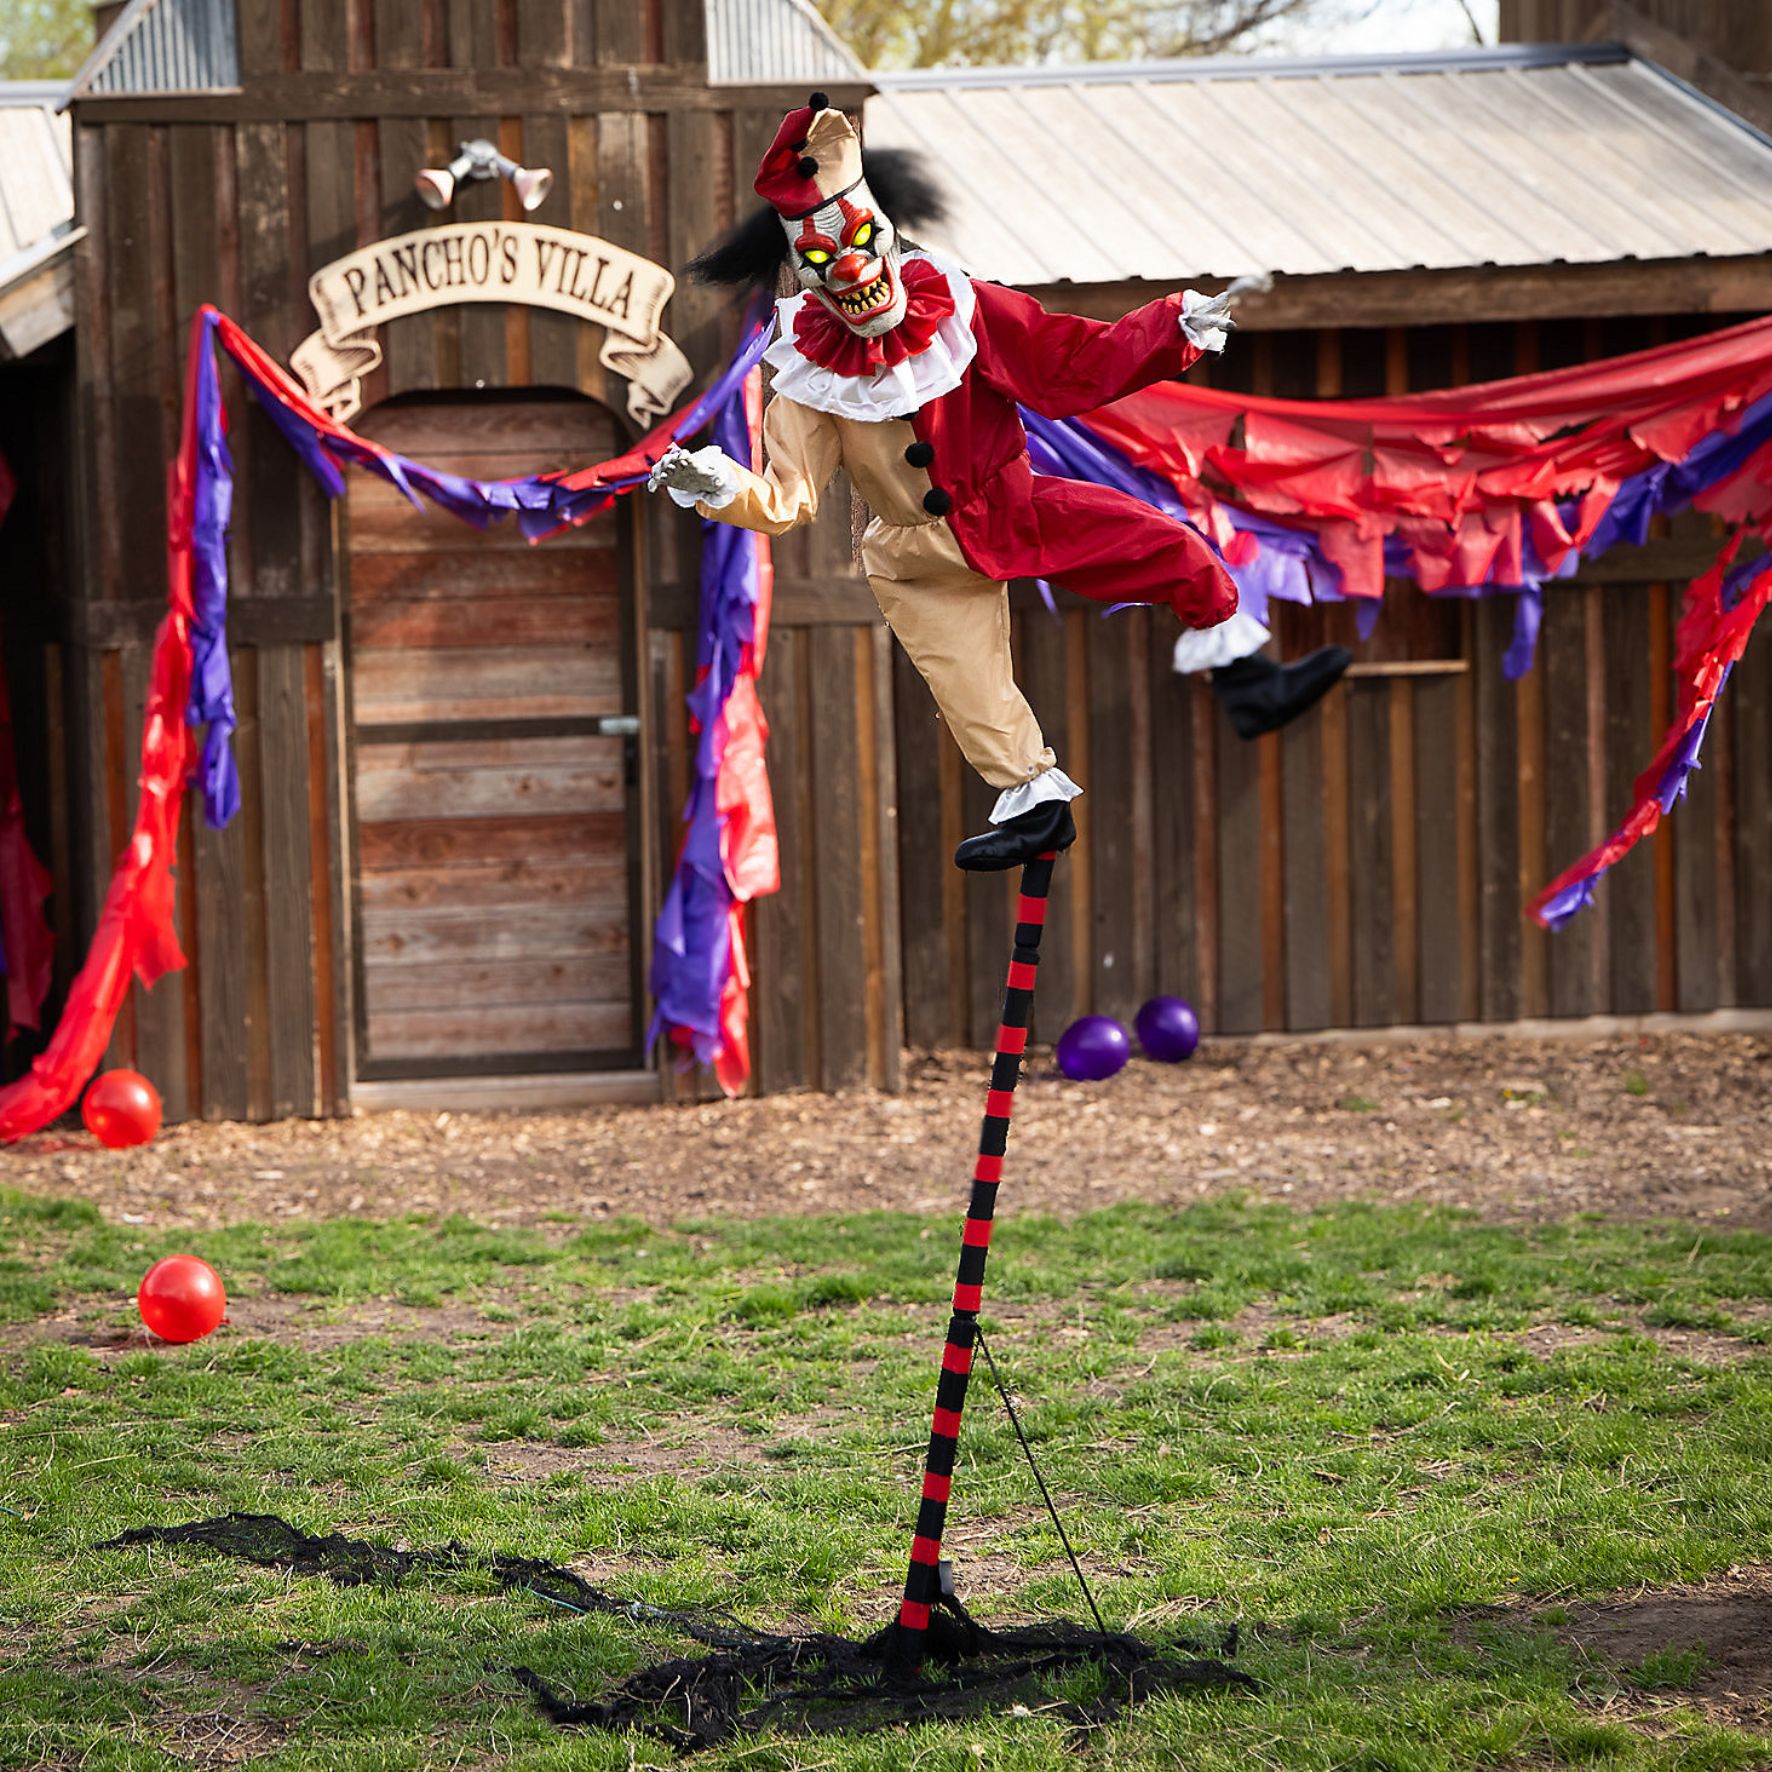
(920, 454)
(938, 503)
(806, 166)
(819, 101)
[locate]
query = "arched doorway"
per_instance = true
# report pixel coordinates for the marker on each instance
(493, 702)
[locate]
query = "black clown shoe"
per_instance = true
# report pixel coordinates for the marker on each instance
(1262, 696)
(1020, 839)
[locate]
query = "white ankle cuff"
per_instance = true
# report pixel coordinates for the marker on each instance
(1205, 649)
(1049, 784)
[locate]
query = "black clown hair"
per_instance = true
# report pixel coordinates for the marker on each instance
(751, 254)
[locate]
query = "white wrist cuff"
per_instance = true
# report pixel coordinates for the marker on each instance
(1205, 649)
(1205, 320)
(1049, 784)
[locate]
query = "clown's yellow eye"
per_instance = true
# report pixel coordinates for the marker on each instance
(863, 234)
(815, 257)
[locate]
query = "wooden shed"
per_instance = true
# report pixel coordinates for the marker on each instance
(464, 758)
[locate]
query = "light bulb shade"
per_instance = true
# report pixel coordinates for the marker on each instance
(436, 187)
(532, 186)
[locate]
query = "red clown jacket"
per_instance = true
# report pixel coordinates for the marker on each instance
(1013, 523)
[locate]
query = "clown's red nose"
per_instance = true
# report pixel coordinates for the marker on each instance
(849, 267)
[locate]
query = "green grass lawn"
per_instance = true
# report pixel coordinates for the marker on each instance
(1392, 1443)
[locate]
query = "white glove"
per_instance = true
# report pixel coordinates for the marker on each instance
(692, 477)
(1206, 320)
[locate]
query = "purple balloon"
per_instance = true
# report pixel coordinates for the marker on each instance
(1093, 1047)
(1168, 1030)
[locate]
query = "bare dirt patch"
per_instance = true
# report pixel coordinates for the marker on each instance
(223, 1738)
(1724, 1625)
(1704, 1646)
(1706, 1347)
(1651, 1125)
(678, 1445)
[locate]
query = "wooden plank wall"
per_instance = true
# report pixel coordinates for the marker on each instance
(236, 198)
(1369, 865)
(1737, 32)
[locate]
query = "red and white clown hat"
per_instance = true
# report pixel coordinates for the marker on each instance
(814, 159)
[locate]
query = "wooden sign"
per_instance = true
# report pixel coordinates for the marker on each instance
(504, 261)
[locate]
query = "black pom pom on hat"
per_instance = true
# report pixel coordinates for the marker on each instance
(820, 101)
(806, 166)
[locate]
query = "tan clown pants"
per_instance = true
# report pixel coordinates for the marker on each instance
(955, 627)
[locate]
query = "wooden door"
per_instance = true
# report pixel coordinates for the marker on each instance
(492, 757)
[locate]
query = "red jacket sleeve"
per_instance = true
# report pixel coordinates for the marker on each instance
(1062, 364)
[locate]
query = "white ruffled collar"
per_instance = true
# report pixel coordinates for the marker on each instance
(894, 391)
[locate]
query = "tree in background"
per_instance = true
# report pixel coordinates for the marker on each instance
(994, 33)
(43, 39)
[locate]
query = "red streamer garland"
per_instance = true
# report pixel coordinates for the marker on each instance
(1461, 475)
(1455, 474)
(136, 935)
(1708, 642)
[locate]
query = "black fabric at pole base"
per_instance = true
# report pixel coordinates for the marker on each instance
(751, 1682)
(836, 1686)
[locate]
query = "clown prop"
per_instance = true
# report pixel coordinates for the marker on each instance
(895, 365)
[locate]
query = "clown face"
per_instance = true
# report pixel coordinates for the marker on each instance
(846, 254)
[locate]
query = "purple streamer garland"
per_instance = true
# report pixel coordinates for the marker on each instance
(211, 703)
(691, 944)
(692, 953)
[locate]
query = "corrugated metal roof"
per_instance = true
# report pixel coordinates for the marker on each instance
(36, 177)
(165, 46)
(191, 46)
(1178, 170)
(774, 41)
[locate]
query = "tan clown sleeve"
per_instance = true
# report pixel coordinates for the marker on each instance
(801, 451)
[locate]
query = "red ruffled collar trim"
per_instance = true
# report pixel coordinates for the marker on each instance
(822, 338)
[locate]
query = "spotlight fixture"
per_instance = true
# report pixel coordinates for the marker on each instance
(437, 185)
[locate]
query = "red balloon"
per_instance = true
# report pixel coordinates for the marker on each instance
(181, 1298)
(122, 1108)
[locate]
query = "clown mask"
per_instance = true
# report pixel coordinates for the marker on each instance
(846, 254)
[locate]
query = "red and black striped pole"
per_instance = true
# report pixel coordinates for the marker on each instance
(922, 1585)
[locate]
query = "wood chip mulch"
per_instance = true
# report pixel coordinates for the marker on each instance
(1664, 1125)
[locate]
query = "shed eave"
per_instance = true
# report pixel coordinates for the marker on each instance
(37, 296)
(1462, 294)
